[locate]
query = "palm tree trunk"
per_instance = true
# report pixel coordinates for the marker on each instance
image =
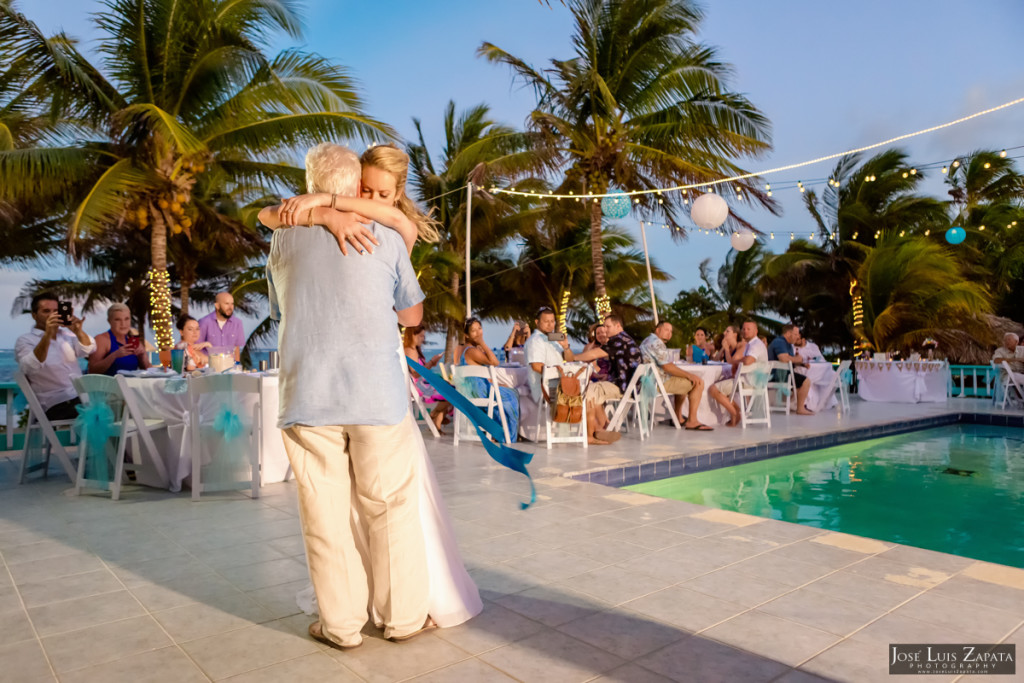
(596, 248)
(183, 295)
(160, 289)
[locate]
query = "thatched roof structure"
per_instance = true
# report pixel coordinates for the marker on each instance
(963, 349)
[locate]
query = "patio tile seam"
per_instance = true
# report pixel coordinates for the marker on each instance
(31, 624)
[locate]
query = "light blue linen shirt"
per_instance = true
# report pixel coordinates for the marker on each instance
(539, 349)
(338, 336)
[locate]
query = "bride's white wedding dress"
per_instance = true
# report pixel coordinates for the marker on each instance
(454, 597)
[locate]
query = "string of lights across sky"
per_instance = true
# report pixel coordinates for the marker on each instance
(709, 185)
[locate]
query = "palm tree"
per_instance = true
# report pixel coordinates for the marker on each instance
(733, 292)
(640, 105)
(478, 150)
(810, 283)
(988, 201)
(913, 288)
(553, 261)
(184, 99)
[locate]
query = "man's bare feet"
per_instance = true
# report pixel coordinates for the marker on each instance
(596, 442)
(733, 421)
(804, 411)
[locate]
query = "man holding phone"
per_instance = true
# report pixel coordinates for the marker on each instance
(545, 347)
(48, 356)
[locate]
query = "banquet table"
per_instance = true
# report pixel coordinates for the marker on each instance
(902, 381)
(707, 412)
(160, 397)
(823, 379)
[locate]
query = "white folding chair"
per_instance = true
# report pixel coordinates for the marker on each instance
(1010, 382)
(629, 405)
(93, 388)
(751, 390)
(145, 426)
(784, 386)
(445, 374)
(666, 401)
(842, 386)
(492, 404)
(214, 400)
(37, 420)
(548, 377)
(419, 409)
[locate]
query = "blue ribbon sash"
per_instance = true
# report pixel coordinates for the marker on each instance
(503, 455)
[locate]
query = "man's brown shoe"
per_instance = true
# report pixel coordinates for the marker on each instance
(316, 633)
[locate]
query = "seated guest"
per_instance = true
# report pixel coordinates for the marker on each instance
(754, 348)
(48, 356)
(476, 352)
(678, 382)
(623, 356)
(808, 350)
(1008, 352)
(517, 337)
(412, 340)
(598, 337)
(117, 349)
(731, 349)
(188, 328)
(221, 328)
(781, 349)
(702, 350)
(541, 352)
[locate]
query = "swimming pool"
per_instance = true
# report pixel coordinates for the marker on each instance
(956, 489)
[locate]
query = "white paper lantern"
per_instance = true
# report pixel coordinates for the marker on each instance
(709, 211)
(741, 241)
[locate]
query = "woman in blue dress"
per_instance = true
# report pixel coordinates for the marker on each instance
(117, 349)
(476, 352)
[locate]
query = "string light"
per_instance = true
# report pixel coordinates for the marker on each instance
(710, 184)
(160, 307)
(603, 306)
(944, 170)
(563, 311)
(1003, 154)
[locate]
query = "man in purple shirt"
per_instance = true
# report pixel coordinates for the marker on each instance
(220, 328)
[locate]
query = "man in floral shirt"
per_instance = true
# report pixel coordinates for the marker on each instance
(623, 357)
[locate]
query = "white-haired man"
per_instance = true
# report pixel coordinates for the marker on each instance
(345, 416)
(1008, 352)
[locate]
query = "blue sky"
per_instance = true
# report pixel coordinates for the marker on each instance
(829, 76)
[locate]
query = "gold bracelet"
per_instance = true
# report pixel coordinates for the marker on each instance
(334, 199)
(309, 219)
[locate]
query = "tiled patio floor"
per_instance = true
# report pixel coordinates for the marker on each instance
(591, 583)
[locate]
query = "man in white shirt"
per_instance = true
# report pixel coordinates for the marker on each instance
(756, 351)
(48, 356)
(541, 351)
(808, 350)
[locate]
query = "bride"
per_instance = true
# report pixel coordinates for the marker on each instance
(454, 597)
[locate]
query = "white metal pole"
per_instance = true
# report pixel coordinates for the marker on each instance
(469, 213)
(650, 278)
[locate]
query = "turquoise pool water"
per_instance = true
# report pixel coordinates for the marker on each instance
(956, 489)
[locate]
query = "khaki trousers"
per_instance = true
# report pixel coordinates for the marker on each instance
(377, 465)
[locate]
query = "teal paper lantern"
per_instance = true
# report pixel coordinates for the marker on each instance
(616, 206)
(956, 235)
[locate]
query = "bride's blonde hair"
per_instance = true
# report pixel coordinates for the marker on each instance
(391, 159)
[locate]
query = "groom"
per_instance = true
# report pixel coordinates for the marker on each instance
(343, 412)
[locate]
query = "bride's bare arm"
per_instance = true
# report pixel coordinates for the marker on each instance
(295, 209)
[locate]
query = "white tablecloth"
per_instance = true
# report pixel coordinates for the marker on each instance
(708, 412)
(175, 447)
(823, 379)
(902, 381)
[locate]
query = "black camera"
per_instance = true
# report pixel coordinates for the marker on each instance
(65, 311)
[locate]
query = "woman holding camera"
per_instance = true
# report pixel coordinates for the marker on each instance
(516, 338)
(118, 349)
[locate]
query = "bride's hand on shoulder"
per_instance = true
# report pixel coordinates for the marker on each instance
(347, 229)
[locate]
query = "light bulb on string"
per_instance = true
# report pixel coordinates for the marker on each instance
(956, 164)
(944, 170)
(1003, 154)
